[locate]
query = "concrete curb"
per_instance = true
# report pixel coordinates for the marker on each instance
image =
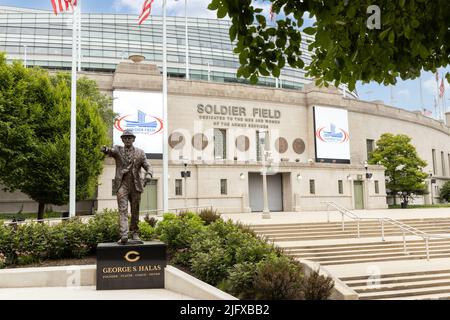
(74, 276)
(340, 291)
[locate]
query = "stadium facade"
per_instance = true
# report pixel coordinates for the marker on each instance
(314, 143)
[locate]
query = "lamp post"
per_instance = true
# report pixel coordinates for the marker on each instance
(266, 211)
(431, 187)
(25, 55)
(185, 174)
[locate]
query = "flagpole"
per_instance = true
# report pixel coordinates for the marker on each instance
(73, 117)
(165, 117)
(187, 39)
(79, 35)
(421, 94)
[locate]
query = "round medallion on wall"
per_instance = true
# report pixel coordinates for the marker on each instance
(242, 143)
(299, 146)
(176, 140)
(199, 141)
(281, 145)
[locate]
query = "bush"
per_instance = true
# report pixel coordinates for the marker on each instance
(178, 232)
(212, 266)
(152, 221)
(68, 239)
(146, 231)
(279, 279)
(209, 216)
(240, 281)
(103, 227)
(317, 287)
(445, 192)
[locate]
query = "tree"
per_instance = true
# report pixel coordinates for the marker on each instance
(445, 192)
(35, 134)
(347, 46)
(404, 168)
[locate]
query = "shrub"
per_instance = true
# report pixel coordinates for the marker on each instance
(212, 266)
(29, 242)
(68, 239)
(146, 231)
(445, 192)
(103, 227)
(6, 244)
(209, 216)
(279, 279)
(152, 221)
(178, 232)
(317, 287)
(240, 281)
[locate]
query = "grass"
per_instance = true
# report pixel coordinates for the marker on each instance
(421, 206)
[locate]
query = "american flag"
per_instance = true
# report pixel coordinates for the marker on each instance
(442, 88)
(146, 10)
(63, 5)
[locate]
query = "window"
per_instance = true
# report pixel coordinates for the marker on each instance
(377, 187)
(178, 187)
(340, 187)
(370, 147)
(223, 186)
(433, 154)
(220, 143)
(312, 187)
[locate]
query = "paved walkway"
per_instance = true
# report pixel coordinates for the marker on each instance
(88, 293)
(255, 218)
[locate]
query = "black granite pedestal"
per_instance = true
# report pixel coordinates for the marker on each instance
(131, 266)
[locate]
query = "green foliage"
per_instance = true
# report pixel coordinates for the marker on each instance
(404, 168)
(211, 266)
(146, 231)
(35, 140)
(413, 36)
(317, 287)
(152, 221)
(209, 216)
(279, 279)
(32, 242)
(445, 192)
(240, 281)
(178, 232)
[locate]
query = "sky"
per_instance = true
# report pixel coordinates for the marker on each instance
(405, 94)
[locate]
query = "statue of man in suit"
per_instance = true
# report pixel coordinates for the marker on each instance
(128, 184)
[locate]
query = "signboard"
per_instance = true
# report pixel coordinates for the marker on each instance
(141, 112)
(331, 135)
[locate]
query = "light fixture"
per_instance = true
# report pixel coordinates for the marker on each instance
(242, 176)
(299, 177)
(310, 161)
(349, 178)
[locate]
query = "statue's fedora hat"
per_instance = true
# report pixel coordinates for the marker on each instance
(128, 133)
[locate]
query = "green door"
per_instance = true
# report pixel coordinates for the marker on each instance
(148, 197)
(359, 194)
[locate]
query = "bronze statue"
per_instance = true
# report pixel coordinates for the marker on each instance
(128, 184)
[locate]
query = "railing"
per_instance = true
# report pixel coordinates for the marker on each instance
(141, 213)
(402, 226)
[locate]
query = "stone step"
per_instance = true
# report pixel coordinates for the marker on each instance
(400, 294)
(402, 286)
(398, 249)
(412, 253)
(398, 279)
(351, 231)
(436, 296)
(381, 259)
(398, 275)
(362, 244)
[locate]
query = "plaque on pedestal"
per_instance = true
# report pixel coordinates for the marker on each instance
(131, 266)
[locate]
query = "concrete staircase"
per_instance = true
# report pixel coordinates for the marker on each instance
(332, 247)
(433, 284)
(333, 230)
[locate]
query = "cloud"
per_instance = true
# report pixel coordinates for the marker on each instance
(195, 8)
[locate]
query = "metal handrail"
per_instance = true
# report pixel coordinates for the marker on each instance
(402, 226)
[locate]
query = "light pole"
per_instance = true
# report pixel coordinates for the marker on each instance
(185, 174)
(431, 187)
(266, 211)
